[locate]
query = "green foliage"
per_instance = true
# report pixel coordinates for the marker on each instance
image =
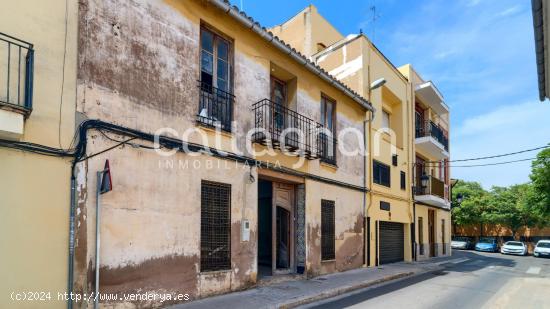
(524, 205)
(540, 178)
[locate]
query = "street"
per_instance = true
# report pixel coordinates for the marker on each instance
(481, 280)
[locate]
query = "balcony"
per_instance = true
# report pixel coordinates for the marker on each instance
(434, 192)
(430, 95)
(283, 128)
(215, 107)
(16, 85)
(431, 140)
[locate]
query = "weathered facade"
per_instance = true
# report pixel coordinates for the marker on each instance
(139, 67)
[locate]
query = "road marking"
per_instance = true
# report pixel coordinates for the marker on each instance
(533, 270)
(460, 260)
(453, 261)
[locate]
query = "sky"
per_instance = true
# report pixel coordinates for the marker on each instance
(479, 53)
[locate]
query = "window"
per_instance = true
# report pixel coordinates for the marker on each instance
(215, 226)
(403, 181)
(381, 173)
(394, 160)
(385, 120)
(421, 235)
(216, 100)
(327, 113)
(326, 140)
(385, 206)
(327, 230)
(215, 60)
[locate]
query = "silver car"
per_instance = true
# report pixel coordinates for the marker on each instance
(514, 247)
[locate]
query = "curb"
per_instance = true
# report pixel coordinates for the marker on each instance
(342, 290)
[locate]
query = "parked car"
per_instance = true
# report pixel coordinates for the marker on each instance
(542, 249)
(514, 247)
(461, 242)
(487, 244)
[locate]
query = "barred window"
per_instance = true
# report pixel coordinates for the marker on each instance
(215, 226)
(327, 230)
(381, 173)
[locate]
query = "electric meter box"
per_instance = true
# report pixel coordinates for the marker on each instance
(245, 230)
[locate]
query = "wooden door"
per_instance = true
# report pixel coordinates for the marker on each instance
(283, 227)
(431, 231)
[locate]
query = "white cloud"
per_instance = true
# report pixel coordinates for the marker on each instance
(507, 129)
(509, 11)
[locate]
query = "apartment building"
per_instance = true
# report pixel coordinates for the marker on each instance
(431, 180)
(237, 207)
(37, 92)
(406, 218)
(357, 62)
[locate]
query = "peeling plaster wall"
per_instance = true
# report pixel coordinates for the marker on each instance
(138, 67)
(150, 223)
(348, 233)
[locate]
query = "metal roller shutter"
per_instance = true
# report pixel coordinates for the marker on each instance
(391, 242)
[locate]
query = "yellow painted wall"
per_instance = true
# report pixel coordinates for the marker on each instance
(306, 29)
(34, 189)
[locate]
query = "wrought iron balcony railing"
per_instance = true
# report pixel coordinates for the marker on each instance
(434, 186)
(429, 128)
(16, 72)
(284, 128)
(215, 107)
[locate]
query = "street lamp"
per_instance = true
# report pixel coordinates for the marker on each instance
(459, 198)
(424, 180)
(377, 83)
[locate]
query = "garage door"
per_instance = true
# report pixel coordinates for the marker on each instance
(391, 242)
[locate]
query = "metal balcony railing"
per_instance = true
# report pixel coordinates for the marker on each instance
(434, 187)
(429, 128)
(16, 72)
(215, 107)
(284, 128)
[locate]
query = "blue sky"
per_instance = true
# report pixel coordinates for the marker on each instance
(480, 54)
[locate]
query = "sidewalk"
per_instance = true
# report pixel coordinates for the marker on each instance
(290, 294)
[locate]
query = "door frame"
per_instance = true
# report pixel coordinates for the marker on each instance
(288, 205)
(431, 231)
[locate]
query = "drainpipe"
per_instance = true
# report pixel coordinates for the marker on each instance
(97, 244)
(72, 207)
(365, 240)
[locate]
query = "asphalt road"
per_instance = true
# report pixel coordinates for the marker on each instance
(482, 280)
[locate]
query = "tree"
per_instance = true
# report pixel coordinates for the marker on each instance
(475, 201)
(509, 208)
(539, 198)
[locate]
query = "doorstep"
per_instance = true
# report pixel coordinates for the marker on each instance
(293, 293)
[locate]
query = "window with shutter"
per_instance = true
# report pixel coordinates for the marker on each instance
(327, 230)
(215, 226)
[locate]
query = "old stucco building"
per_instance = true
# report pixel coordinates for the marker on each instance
(206, 224)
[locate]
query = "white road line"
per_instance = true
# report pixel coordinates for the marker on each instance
(533, 270)
(453, 261)
(460, 260)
